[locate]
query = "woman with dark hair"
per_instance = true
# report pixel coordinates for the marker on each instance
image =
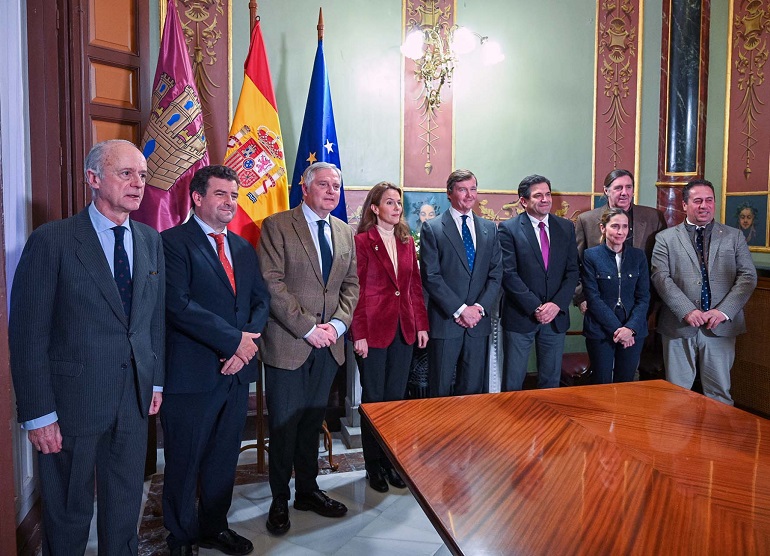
(616, 283)
(390, 315)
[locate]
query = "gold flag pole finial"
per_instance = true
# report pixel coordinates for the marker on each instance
(320, 24)
(253, 13)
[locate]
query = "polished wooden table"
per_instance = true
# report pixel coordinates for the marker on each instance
(637, 468)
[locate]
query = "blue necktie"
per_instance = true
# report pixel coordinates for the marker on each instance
(122, 270)
(470, 251)
(705, 290)
(326, 251)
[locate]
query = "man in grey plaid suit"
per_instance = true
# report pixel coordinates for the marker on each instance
(704, 275)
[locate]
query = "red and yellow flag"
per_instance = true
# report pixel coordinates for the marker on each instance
(255, 146)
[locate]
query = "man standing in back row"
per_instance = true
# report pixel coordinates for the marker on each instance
(644, 223)
(308, 261)
(704, 275)
(461, 271)
(540, 272)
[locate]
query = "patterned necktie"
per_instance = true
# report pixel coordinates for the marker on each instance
(326, 251)
(545, 245)
(220, 239)
(705, 289)
(122, 270)
(470, 250)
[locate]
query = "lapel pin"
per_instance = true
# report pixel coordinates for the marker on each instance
(376, 247)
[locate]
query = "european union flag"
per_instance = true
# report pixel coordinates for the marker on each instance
(318, 140)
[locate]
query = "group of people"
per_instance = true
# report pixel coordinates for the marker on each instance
(111, 321)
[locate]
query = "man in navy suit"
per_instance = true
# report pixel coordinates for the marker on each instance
(461, 271)
(216, 307)
(86, 342)
(540, 273)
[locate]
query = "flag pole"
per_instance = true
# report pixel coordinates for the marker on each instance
(252, 13)
(320, 26)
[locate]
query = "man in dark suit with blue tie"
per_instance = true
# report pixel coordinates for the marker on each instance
(540, 272)
(216, 307)
(86, 340)
(461, 271)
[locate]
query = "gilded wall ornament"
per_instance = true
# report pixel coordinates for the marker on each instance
(617, 37)
(750, 40)
(200, 26)
(433, 70)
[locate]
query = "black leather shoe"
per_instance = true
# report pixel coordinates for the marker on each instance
(278, 517)
(377, 480)
(229, 542)
(318, 502)
(184, 550)
(394, 478)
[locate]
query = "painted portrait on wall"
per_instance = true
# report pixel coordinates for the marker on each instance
(420, 206)
(748, 213)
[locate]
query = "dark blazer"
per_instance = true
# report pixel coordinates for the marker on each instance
(386, 300)
(203, 316)
(70, 341)
(298, 296)
(448, 279)
(648, 222)
(601, 284)
(526, 283)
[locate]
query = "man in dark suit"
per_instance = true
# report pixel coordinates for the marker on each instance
(704, 275)
(540, 272)
(461, 271)
(86, 341)
(308, 261)
(216, 307)
(644, 223)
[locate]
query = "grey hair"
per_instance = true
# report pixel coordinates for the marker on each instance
(95, 158)
(309, 174)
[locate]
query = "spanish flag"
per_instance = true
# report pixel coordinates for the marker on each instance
(255, 146)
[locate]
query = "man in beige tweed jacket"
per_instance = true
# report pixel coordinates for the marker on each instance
(699, 324)
(308, 262)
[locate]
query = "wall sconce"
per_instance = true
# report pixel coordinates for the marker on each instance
(434, 49)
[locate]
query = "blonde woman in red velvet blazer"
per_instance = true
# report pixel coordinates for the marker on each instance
(390, 316)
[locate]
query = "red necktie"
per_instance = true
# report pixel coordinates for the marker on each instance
(220, 239)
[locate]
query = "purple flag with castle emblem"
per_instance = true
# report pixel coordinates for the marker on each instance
(174, 143)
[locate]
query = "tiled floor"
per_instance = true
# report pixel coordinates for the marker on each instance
(376, 524)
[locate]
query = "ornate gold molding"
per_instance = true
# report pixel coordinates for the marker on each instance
(750, 39)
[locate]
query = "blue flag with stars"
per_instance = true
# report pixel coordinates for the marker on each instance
(318, 140)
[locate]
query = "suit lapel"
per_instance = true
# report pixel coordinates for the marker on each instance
(640, 226)
(91, 255)
(455, 239)
(381, 253)
(201, 241)
(306, 241)
(239, 270)
(717, 234)
(482, 240)
(686, 242)
(141, 269)
(529, 233)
